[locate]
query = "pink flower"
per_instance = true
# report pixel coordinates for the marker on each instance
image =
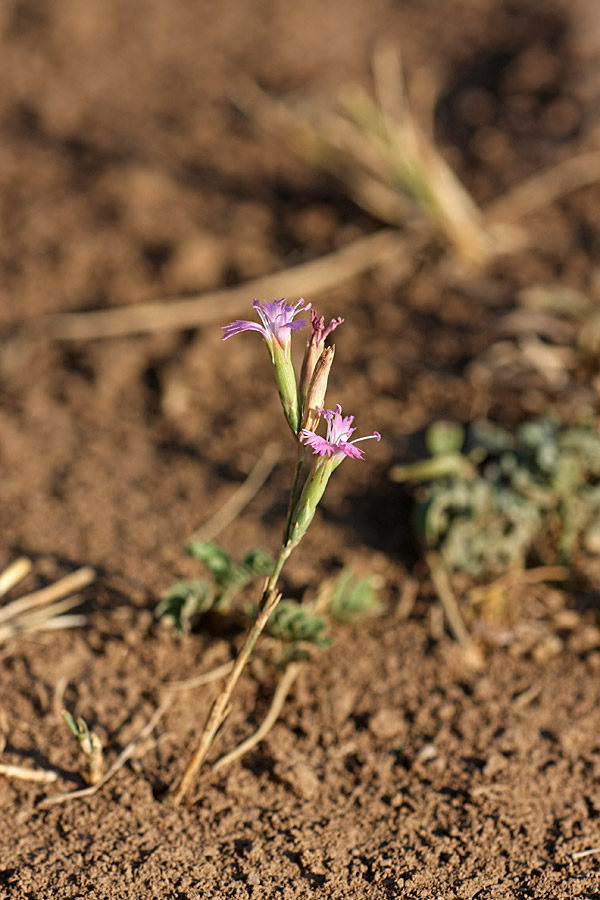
(337, 444)
(277, 321)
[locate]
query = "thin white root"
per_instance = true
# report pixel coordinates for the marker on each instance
(279, 697)
(199, 680)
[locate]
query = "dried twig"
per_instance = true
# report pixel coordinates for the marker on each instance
(308, 278)
(44, 776)
(408, 597)
(443, 589)
(50, 618)
(279, 697)
(580, 854)
(120, 761)
(66, 586)
(516, 577)
(231, 509)
(41, 610)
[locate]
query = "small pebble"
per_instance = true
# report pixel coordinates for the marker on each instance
(300, 778)
(387, 724)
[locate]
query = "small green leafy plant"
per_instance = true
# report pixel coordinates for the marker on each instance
(188, 599)
(90, 745)
(295, 627)
(490, 498)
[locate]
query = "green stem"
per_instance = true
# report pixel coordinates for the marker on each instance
(294, 492)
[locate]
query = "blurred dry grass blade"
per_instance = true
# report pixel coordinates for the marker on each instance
(416, 165)
(544, 187)
(376, 148)
(472, 655)
(41, 610)
(329, 142)
(42, 776)
(307, 279)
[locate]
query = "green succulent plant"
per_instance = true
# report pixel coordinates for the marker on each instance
(489, 497)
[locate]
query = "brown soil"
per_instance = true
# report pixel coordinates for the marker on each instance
(395, 771)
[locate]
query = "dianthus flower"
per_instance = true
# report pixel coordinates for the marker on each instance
(337, 444)
(277, 321)
(328, 452)
(277, 325)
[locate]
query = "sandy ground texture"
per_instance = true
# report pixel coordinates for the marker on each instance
(128, 174)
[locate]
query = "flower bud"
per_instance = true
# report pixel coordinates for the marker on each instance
(316, 392)
(314, 349)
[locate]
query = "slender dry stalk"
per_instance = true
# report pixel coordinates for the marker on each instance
(220, 706)
(543, 188)
(14, 573)
(580, 854)
(66, 586)
(50, 618)
(232, 508)
(443, 589)
(408, 598)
